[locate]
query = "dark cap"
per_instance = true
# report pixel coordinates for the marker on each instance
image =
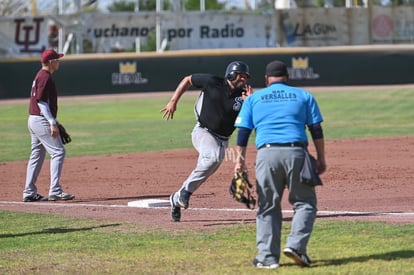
(276, 68)
(48, 55)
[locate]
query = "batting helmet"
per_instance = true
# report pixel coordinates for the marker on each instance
(235, 68)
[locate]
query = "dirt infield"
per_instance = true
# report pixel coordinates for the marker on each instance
(367, 179)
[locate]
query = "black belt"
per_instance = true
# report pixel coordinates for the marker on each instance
(213, 133)
(288, 144)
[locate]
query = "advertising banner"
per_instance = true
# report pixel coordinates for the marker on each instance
(196, 30)
(117, 32)
(314, 27)
(392, 25)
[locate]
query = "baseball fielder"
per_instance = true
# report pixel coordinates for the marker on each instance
(44, 132)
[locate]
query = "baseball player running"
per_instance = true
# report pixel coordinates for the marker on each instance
(216, 109)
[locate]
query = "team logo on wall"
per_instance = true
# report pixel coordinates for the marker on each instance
(28, 35)
(128, 75)
(301, 70)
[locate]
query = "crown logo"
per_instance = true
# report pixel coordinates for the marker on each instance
(300, 63)
(128, 68)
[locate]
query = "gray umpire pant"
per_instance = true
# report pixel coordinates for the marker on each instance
(41, 142)
(277, 168)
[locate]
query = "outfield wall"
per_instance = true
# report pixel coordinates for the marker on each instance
(146, 72)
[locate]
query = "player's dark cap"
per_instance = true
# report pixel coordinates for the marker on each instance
(48, 55)
(276, 68)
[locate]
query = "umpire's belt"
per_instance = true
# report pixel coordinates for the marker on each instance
(288, 144)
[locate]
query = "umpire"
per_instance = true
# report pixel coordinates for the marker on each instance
(279, 114)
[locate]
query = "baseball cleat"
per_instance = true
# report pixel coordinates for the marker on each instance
(175, 210)
(300, 259)
(184, 199)
(258, 264)
(61, 197)
(35, 198)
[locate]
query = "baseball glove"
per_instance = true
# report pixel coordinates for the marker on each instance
(63, 134)
(240, 189)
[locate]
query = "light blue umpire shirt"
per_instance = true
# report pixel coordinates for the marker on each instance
(279, 114)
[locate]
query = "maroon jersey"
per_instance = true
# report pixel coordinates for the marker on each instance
(43, 89)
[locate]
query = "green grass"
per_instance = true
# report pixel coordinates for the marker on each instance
(110, 126)
(354, 114)
(103, 126)
(51, 244)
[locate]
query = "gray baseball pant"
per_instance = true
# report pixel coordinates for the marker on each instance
(211, 151)
(42, 141)
(276, 168)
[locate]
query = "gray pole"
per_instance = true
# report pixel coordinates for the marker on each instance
(61, 33)
(158, 26)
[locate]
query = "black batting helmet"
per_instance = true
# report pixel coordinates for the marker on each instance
(235, 68)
